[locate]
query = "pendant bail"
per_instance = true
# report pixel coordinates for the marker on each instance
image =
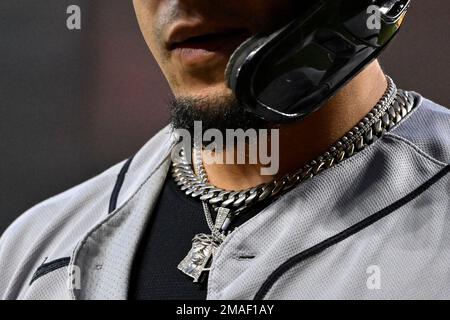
(223, 216)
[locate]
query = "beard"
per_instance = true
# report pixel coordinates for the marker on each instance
(220, 112)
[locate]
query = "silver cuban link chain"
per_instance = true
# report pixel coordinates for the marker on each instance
(390, 110)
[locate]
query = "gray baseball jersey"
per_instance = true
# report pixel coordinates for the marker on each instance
(375, 226)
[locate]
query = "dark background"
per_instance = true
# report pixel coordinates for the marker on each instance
(73, 103)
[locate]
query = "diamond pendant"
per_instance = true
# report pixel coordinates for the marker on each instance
(198, 261)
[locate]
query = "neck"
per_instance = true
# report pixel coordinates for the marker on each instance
(301, 142)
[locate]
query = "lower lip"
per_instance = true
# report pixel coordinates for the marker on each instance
(191, 56)
(200, 53)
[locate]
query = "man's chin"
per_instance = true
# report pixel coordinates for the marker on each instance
(219, 111)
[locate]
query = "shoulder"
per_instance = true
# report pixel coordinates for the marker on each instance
(56, 224)
(96, 190)
(427, 128)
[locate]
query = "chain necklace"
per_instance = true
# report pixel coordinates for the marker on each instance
(391, 109)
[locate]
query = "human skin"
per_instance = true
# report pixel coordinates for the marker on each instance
(196, 70)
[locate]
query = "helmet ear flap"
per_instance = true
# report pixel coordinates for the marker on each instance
(244, 47)
(241, 56)
(292, 72)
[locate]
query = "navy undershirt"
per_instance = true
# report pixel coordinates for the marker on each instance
(175, 220)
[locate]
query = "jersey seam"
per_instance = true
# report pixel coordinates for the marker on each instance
(417, 149)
